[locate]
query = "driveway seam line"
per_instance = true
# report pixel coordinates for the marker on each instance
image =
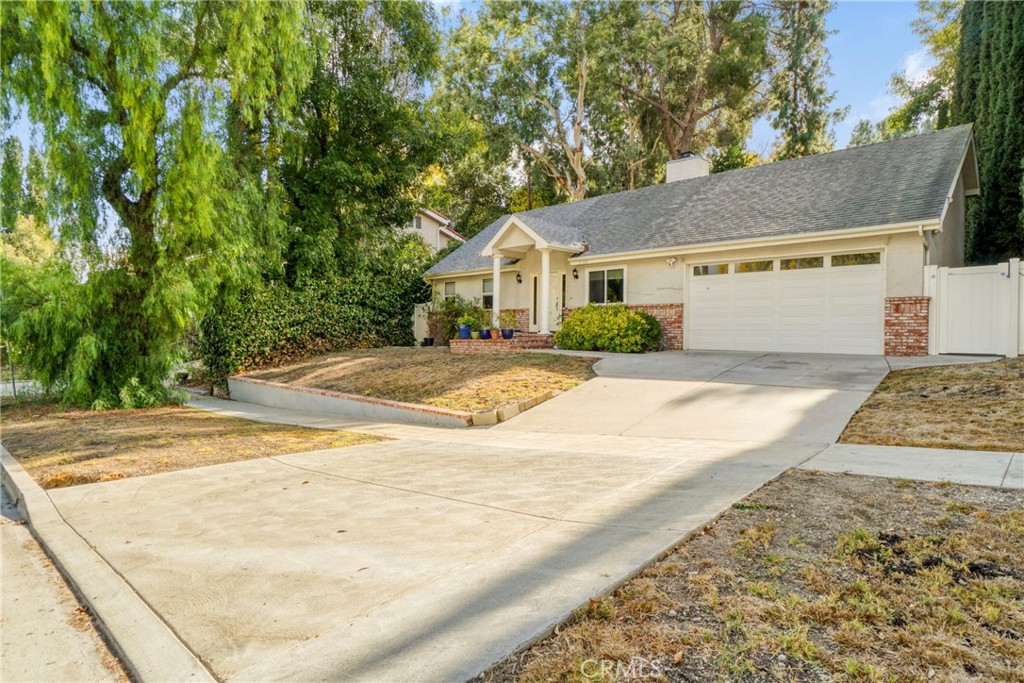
(534, 515)
(1006, 472)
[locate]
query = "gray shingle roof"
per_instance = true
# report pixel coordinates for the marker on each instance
(901, 181)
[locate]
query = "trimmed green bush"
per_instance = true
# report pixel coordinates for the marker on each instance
(609, 328)
(271, 323)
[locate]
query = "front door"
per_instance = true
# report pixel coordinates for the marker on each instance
(556, 300)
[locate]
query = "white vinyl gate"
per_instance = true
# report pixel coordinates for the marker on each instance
(978, 309)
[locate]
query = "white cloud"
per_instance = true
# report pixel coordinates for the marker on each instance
(916, 64)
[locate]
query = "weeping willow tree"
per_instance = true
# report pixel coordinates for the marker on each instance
(136, 104)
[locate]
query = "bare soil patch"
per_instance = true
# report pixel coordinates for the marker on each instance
(815, 577)
(973, 407)
(66, 448)
(435, 377)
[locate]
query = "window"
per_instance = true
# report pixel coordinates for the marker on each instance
(713, 269)
(755, 266)
(417, 222)
(869, 258)
(801, 263)
(607, 286)
(449, 289)
(488, 293)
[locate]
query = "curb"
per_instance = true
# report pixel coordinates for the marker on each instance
(146, 646)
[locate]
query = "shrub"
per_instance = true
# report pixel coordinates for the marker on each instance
(271, 323)
(443, 320)
(609, 328)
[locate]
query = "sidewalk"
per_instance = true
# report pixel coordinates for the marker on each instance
(46, 635)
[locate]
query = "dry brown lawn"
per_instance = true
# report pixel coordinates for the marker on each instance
(973, 407)
(433, 376)
(66, 448)
(815, 577)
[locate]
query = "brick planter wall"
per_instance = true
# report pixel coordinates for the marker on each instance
(534, 340)
(480, 347)
(906, 325)
(669, 315)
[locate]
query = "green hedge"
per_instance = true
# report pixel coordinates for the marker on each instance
(609, 328)
(271, 323)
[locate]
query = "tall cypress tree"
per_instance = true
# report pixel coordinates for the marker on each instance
(989, 92)
(804, 116)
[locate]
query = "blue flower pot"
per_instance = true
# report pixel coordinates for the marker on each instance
(507, 334)
(463, 331)
(485, 334)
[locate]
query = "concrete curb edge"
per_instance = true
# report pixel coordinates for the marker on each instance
(147, 647)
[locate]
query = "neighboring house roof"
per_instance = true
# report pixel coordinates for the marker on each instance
(436, 215)
(887, 183)
(454, 234)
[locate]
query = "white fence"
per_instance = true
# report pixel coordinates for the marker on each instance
(978, 309)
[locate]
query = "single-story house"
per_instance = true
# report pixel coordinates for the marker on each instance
(434, 228)
(826, 253)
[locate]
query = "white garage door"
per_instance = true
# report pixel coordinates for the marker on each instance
(832, 303)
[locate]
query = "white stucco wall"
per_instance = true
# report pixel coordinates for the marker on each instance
(946, 248)
(655, 281)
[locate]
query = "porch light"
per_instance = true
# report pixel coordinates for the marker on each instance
(575, 274)
(519, 278)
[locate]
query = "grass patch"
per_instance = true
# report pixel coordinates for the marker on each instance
(435, 377)
(800, 585)
(972, 407)
(66, 448)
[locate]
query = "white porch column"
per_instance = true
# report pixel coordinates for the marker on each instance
(496, 290)
(545, 290)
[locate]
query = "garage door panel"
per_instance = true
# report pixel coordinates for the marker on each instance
(814, 310)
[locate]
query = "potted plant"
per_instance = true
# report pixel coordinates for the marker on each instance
(507, 320)
(466, 322)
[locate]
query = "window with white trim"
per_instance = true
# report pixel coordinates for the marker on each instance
(449, 289)
(417, 222)
(488, 293)
(711, 269)
(606, 286)
(868, 258)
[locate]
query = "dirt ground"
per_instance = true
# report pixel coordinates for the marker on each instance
(67, 448)
(433, 376)
(815, 577)
(973, 407)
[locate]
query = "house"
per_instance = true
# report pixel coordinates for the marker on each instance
(434, 228)
(825, 254)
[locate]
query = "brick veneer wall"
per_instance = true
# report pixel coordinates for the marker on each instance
(906, 325)
(669, 315)
(522, 318)
(481, 347)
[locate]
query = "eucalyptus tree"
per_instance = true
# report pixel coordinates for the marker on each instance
(697, 70)
(523, 68)
(131, 100)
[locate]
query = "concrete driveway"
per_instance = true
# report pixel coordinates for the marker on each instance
(714, 395)
(429, 557)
